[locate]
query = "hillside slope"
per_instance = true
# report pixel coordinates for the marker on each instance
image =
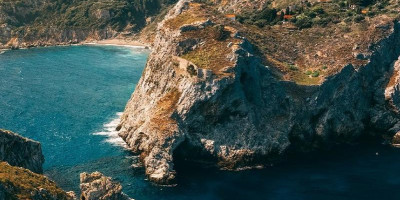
(52, 22)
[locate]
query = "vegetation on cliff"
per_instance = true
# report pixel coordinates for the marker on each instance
(33, 19)
(20, 183)
(302, 41)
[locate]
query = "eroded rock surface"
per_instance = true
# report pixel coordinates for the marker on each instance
(96, 186)
(21, 151)
(204, 94)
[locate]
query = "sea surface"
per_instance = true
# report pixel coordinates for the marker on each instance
(70, 99)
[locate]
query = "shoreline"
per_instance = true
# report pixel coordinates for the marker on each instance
(107, 42)
(117, 42)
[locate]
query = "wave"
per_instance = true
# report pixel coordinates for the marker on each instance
(110, 132)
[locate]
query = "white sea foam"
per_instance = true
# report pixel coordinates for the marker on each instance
(109, 131)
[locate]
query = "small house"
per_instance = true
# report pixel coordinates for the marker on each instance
(287, 17)
(364, 11)
(231, 16)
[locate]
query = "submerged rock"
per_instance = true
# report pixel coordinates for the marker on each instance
(21, 151)
(96, 186)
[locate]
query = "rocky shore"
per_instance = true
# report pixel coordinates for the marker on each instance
(235, 112)
(96, 186)
(21, 163)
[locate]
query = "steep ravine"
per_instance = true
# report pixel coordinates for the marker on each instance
(238, 114)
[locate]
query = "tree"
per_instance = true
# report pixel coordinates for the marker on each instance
(362, 2)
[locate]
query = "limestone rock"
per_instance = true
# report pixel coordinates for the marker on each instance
(96, 186)
(21, 151)
(240, 114)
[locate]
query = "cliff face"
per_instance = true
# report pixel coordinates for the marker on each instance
(233, 110)
(20, 151)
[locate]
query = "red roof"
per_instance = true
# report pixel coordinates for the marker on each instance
(287, 16)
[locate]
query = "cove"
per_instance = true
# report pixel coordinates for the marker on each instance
(68, 98)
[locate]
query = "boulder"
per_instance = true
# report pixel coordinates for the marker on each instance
(96, 186)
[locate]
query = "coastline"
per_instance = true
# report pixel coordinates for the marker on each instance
(116, 42)
(111, 42)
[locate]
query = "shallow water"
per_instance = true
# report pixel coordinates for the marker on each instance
(69, 97)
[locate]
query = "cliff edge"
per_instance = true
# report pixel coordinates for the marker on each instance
(20, 151)
(206, 94)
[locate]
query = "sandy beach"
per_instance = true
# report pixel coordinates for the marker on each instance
(117, 42)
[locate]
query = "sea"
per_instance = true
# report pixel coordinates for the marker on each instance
(70, 99)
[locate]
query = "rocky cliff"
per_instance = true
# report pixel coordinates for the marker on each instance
(19, 178)
(206, 95)
(21, 151)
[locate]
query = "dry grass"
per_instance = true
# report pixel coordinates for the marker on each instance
(310, 49)
(195, 13)
(213, 54)
(164, 109)
(23, 182)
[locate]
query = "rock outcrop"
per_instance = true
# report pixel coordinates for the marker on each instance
(21, 151)
(204, 94)
(96, 186)
(20, 183)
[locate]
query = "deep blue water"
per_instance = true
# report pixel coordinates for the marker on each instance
(66, 97)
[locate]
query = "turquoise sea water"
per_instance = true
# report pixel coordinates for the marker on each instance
(68, 99)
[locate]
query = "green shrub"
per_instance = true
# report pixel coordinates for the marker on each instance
(261, 23)
(292, 67)
(311, 14)
(315, 74)
(358, 18)
(343, 4)
(321, 21)
(261, 18)
(303, 21)
(318, 10)
(191, 70)
(308, 72)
